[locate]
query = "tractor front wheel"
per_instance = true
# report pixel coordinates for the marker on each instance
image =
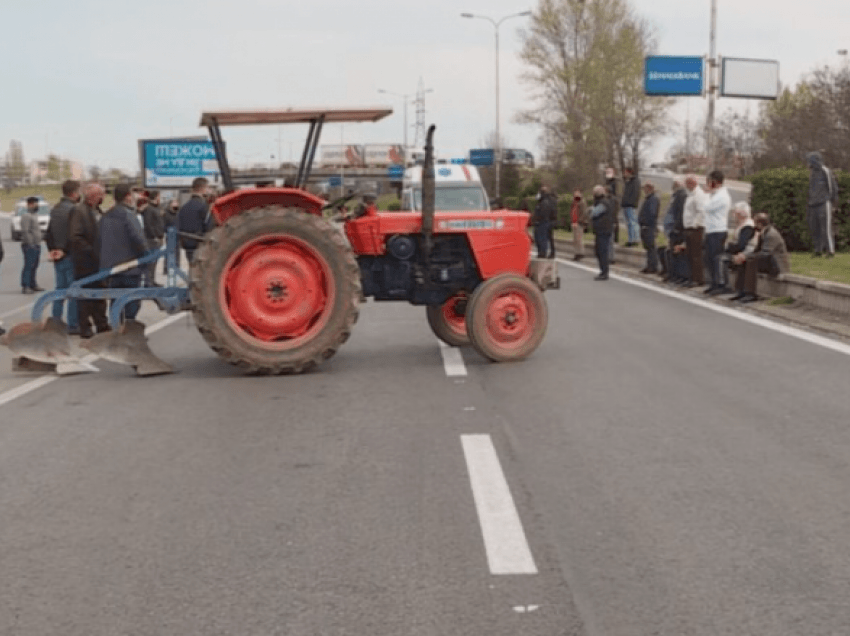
(506, 318)
(448, 321)
(275, 290)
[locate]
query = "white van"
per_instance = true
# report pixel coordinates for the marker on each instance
(456, 188)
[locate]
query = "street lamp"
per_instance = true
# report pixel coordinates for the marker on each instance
(496, 24)
(405, 98)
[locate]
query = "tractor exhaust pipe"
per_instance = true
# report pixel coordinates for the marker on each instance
(428, 193)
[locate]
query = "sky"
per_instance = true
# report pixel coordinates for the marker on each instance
(87, 79)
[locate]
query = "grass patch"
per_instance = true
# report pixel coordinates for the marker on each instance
(782, 300)
(8, 198)
(836, 269)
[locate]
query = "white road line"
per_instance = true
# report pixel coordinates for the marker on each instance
(452, 360)
(12, 312)
(504, 538)
(37, 383)
(812, 338)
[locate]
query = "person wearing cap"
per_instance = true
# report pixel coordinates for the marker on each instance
(648, 222)
(122, 239)
(31, 238)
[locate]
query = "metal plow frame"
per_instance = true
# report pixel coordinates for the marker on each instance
(126, 343)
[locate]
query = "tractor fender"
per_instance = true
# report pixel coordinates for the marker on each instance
(239, 201)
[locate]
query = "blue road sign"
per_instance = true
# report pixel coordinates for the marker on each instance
(174, 163)
(335, 180)
(666, 75)
(481, 157)
(395, 171)
(458, 161)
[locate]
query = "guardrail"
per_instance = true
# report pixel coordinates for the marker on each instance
(822, 294)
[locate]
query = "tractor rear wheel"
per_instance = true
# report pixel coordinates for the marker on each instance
(275, 290)
(506, 318)
(448, 321)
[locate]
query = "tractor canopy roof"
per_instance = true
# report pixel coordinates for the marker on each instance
(292, 116)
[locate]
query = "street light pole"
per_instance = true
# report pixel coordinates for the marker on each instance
(496, 24)
(712, 75)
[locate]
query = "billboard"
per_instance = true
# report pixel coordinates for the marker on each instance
(174, 163)
(347, 155)
(380, 155)
(754, 79)
(667, 75)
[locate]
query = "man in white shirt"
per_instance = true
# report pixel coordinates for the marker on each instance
(694, 221)
(716, 228)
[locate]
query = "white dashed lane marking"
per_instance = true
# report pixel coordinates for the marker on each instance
(504, 538)
(452, 360)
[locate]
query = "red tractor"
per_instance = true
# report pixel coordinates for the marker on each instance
(275, 288)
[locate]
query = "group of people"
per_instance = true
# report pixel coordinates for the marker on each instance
(82, 239)
(696, 224)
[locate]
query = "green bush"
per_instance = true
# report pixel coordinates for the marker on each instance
(394, 206)
(783, 193)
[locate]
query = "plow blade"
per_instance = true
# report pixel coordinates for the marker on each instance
(42, 347)
(128, 345)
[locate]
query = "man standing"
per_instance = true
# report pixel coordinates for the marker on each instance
(629, 203)
(58, 239)
(648, 221)
(694, 221)
(578, 218)
(716, 227)
(154, 231)
(603, 225)
(122, 240)
(194, 217)
(823, 196)
(31, 246)
(545, 213)
(677, 264)
(86, 258)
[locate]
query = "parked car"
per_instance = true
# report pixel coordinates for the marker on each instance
(21, 207)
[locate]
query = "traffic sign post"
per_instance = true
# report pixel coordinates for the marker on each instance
(482, 157)
(175, 163)
(668, 75)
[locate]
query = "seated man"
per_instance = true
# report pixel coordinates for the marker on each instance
(769, 257)
(743, 242)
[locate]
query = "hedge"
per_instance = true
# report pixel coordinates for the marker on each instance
(564, 206)
(783, 193)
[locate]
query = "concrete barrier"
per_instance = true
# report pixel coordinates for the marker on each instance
(823, 294)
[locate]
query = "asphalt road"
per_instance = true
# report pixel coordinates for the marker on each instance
(671, 469)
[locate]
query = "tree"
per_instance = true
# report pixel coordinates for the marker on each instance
(53, 167)
(584, 62)
(815, 115)
(95, 173)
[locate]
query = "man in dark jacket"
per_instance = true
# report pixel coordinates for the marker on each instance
(648, 221)
(545, 215)
(629, 203)
(169, 219)
(602, 216)
(122, 240)
(194, 217)
(823, 198)
(83, 243)
(770, 256)
(677, 262)
(58, 239)
(154, 231)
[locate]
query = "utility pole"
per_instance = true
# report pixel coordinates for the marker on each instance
(496, 24)
(712, 87)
